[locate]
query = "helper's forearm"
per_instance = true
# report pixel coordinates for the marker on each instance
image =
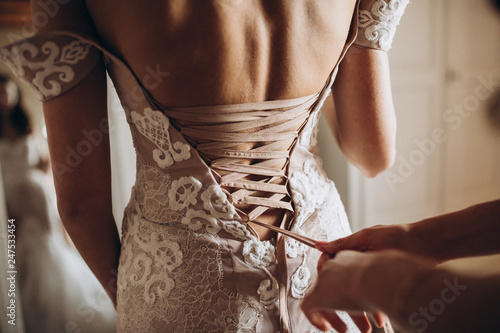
(447, 302)
(470, 232)
(420, 298)
(96, 237)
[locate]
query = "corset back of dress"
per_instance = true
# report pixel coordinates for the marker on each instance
(189, 261)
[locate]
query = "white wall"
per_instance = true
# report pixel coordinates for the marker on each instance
(443, 52)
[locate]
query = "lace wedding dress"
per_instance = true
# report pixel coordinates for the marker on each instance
(57, 289)
(189, 261)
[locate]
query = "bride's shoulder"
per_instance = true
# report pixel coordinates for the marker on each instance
(60, 54)
(71, 16)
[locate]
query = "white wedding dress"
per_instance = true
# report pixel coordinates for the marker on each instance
(58, 291)
(189, 261)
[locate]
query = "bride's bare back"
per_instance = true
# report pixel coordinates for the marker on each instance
(227, 51)
(215, 52)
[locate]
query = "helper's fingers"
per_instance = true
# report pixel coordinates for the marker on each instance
(315, 307)
(362, 322)
(329, 247)
(318, 320)
(355, 242)
(380, 318)
(324, 320)
(322, 260)
(311, 306)
(334, 320)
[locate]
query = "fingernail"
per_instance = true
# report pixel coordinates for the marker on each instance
(327, 247)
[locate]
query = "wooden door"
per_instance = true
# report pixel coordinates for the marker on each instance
(445, 53)
(471, 163)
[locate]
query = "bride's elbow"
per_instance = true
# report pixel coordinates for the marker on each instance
(374, 169)
(375, 160)
(71, 210)
(75, 207)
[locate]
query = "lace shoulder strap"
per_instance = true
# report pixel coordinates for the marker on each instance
(51, 63)
(377, 21)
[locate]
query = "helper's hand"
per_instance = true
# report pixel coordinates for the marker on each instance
(381, 237)
(337, 289)
(333, 320)
(359, 282)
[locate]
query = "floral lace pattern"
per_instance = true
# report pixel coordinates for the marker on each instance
(300, 282)
(151, 194)
(313, 193)
(48, 69)
(261, 254)
(163, 200)
(258, 254)
(309, 135)
(378, 22)
(187, 262)
(226, 210)
(268, 292)
(155, 126)
(160, 260)
(184, 192)
(171, 267)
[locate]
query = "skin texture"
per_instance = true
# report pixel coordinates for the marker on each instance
(216, 52)
(408, 289)
(224, 52)
(367, 138)
(473, 231)
(374, 281)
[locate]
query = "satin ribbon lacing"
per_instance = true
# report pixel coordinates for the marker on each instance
(247, 147)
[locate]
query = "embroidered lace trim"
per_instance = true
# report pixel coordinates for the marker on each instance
(378, 21)
(155, 126)
(50, 64)
(170, 279)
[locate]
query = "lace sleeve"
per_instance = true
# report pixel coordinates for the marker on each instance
(377, 22)
(50, 63)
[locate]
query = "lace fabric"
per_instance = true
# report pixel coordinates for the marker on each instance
(203, 208)
(50, 64)
(378, 20)
(170, 280)
(165, 266)
(189, 263)
(273, 132)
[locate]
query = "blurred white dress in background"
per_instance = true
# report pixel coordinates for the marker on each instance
(58, 291)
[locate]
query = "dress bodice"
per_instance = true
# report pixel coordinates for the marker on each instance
(53, 63)
(196, 165)
(193, 177)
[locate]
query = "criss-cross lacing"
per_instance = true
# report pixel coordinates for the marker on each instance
(247, 146)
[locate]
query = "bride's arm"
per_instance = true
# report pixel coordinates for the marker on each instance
(363, 119)
(83, 179)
